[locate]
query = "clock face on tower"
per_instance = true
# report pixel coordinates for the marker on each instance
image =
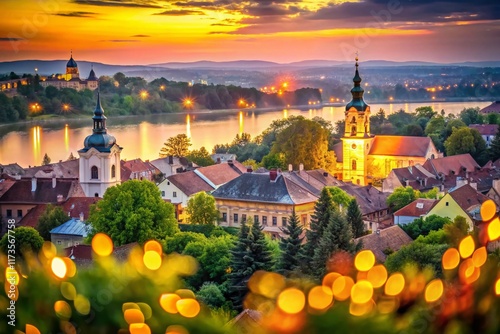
(353, 146)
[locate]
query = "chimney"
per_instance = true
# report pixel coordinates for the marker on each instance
(460, 182)
(473, 185)
(33, 184)
(54, 182)
(301, 167)
(218, 161)
(425, 182)
(230, 163)
(290, 168)
(170, 160)
(325, 174)
(407, 182)
(273, 175)
(81, 216)
(249, 169)
(60, 198)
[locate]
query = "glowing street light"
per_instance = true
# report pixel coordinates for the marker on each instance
(162, 87)
(241, 102)
(65, 107)
(188, 103)
(144, 94)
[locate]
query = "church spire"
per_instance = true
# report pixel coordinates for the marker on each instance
(99, 118)
(357, 92)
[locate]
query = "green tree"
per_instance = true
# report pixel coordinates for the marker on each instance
(201, 209)
(401, 197)
(319, 221)
(71, 157)
(210, 294)
(420, 253)
(52, 217)
(463, 140)
(46, 160)
(260, 252)
(304, 141)
(423, 226)
(133, 211)
(339, 197)
(177, 146)
(494, 151)
(471, 116)
(26, 240)
(336, 237)
(275, 160)
(240, 267)
(355, 219)
(200, 157)
(290, 246)
(178, 242)
(456, 231)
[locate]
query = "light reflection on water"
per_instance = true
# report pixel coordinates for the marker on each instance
(143, 136)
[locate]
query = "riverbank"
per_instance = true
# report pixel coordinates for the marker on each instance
(54, 118)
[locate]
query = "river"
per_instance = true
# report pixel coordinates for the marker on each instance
(143, 136)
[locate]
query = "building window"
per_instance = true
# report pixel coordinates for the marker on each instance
(19, 213)
(58, 242)
(275, 221)
(243, 217)
(235, 217)
(447, 203)
(113, 171)
(163, 193)
(264, 220)
(353, 165)
(256, 218)
(96, 195)
(94, 173)
(304, 220)
(174, 194)
(224, 217)
(9, 213)
(283, 221)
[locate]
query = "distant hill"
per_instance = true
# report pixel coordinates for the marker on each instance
(205, 64)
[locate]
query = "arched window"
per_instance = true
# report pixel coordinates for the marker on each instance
(353, 119)
(94, 173)
(113, 171)
(353, 130)
(353, 165)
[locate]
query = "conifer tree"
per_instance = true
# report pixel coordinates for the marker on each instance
(240, 267)
(319, 221)
(336, 237)
(355, 219)
(249, 255)
(290, 246)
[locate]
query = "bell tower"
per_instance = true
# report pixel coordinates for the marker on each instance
(357, 139)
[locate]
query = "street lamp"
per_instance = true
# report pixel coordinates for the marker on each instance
(144, 94)
(188, 103)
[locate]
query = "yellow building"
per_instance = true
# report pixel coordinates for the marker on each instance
(365, 157)
(72, 78)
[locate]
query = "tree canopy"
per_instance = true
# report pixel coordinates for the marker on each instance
(133, 212)
(177, 146)
(27, 240)
(52, 217)
(201, 209)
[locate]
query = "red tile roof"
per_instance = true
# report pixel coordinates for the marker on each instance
(64, 169)
(137, 166)
(417, 208)
(222, 173)
(492, 108)
(20, 191)
(388, 239)
(189, 183)
(485, 129)
(454, 164)
(467, 197)
(400, 146)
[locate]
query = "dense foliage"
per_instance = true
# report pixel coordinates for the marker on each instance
(52, 217)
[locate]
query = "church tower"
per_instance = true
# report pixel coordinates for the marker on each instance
(357, 139)
(72, 69)
(100, 157)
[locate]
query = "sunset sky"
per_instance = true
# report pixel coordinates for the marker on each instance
(156, 31)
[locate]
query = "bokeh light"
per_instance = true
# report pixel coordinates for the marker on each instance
(494, 229)
(466, 247)
(58, 267)
(30, 329)
(395, 284)
(62, 309)
(188, 308)
(153, 245)
(488, 210)
(168, 302)
(434, 290)
(82, 304)
(291, 300)
(102, 244)
(68, 290)
(497, 287)
(341, 288)
(267, 284)
(364, 260)
(152, 260)
(319, 299)
(362, 292)
(451, 259)
(176, 329)
(139, 329)
(479, 257)
(133, 316)
(377, 276)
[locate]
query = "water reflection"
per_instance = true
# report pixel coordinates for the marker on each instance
(143, 136)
